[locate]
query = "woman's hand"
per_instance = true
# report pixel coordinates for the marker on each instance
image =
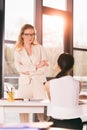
(26, 72)
(42, 63)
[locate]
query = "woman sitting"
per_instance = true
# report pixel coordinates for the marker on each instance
(63, 92)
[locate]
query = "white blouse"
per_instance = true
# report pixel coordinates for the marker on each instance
(64, 93)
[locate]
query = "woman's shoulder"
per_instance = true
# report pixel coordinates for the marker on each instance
(65, 78)
(69, 77)
(19, 51)
(54, 80)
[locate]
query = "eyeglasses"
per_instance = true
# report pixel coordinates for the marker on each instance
(27, 34)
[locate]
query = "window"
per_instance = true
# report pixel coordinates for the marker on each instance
(53, 39)
(80, 21)
(17, 13)
(80, 41)
(52, 35)
(55, 31)
(55, 4)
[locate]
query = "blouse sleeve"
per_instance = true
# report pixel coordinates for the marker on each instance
(43, 56)
(21, 67)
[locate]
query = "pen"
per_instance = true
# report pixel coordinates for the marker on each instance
(11, 89)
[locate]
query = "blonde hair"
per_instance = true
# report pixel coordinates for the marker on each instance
(20, 42)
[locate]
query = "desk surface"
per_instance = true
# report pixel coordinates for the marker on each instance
(82, 101)
(24, 103)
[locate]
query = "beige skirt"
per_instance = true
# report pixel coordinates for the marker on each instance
(32, 87)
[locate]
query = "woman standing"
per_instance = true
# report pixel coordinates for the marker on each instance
(31, 63)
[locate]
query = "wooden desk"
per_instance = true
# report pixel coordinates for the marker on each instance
(30, 107)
